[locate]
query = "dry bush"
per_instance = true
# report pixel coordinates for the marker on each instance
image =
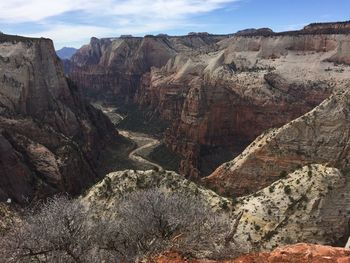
(143, 224)
(149, 222)
(58, 232)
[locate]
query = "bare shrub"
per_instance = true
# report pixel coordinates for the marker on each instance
(150, 221)
(143, 224)
(58, 232)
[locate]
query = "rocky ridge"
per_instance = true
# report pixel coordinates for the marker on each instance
(310, 205)
(229, 97)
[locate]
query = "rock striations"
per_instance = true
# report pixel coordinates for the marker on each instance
(49, 137)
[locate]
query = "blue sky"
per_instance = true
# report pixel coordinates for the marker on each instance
(73, 22)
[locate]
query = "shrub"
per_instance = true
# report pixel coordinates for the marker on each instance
(144, 223)
(287, 190)
(283, 174)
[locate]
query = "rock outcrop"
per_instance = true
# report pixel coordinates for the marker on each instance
(298, 253)
(103, 195)
(50, 138)
(310, 205)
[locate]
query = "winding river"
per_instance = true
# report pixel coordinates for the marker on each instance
(145, 143)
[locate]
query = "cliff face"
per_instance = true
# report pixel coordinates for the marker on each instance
(114, 67)
(49, 137)
(218, 92)
(320, 136)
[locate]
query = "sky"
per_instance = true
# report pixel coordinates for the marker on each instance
(72, 23)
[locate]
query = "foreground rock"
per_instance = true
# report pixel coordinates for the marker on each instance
(102, 196)
(299, 253)
(310, 205)
(50, 138)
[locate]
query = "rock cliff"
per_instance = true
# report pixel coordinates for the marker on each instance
(320, 136)
(49, 137)
(112, 68)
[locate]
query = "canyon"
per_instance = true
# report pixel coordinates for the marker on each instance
(259, 119)
(216, 92)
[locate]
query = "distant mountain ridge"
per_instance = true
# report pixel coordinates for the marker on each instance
(66, 52)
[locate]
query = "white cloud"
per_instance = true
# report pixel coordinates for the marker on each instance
(67, 33)
(36, 10)
(116, 16)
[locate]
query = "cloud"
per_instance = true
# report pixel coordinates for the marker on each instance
(37, 10)
(67, 20)
(72, 33)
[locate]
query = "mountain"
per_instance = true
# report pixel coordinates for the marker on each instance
(217, 93)
(50, 138)
(66, 52)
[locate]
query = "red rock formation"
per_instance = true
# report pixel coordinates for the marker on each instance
(50, 138)
(299, 253)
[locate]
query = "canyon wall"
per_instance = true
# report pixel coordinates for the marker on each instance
(50, 138)
(320, 136)
(112, 67)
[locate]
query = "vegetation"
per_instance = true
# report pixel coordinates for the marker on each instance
(144, 223)
(115, 156)
(283, 174)
(287, 190)
(143, 121)
(166, 158)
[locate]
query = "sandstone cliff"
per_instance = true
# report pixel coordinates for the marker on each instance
(112, 68)
(320, 136)
(49, 137)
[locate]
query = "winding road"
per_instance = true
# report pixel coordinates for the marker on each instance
(143, 142)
